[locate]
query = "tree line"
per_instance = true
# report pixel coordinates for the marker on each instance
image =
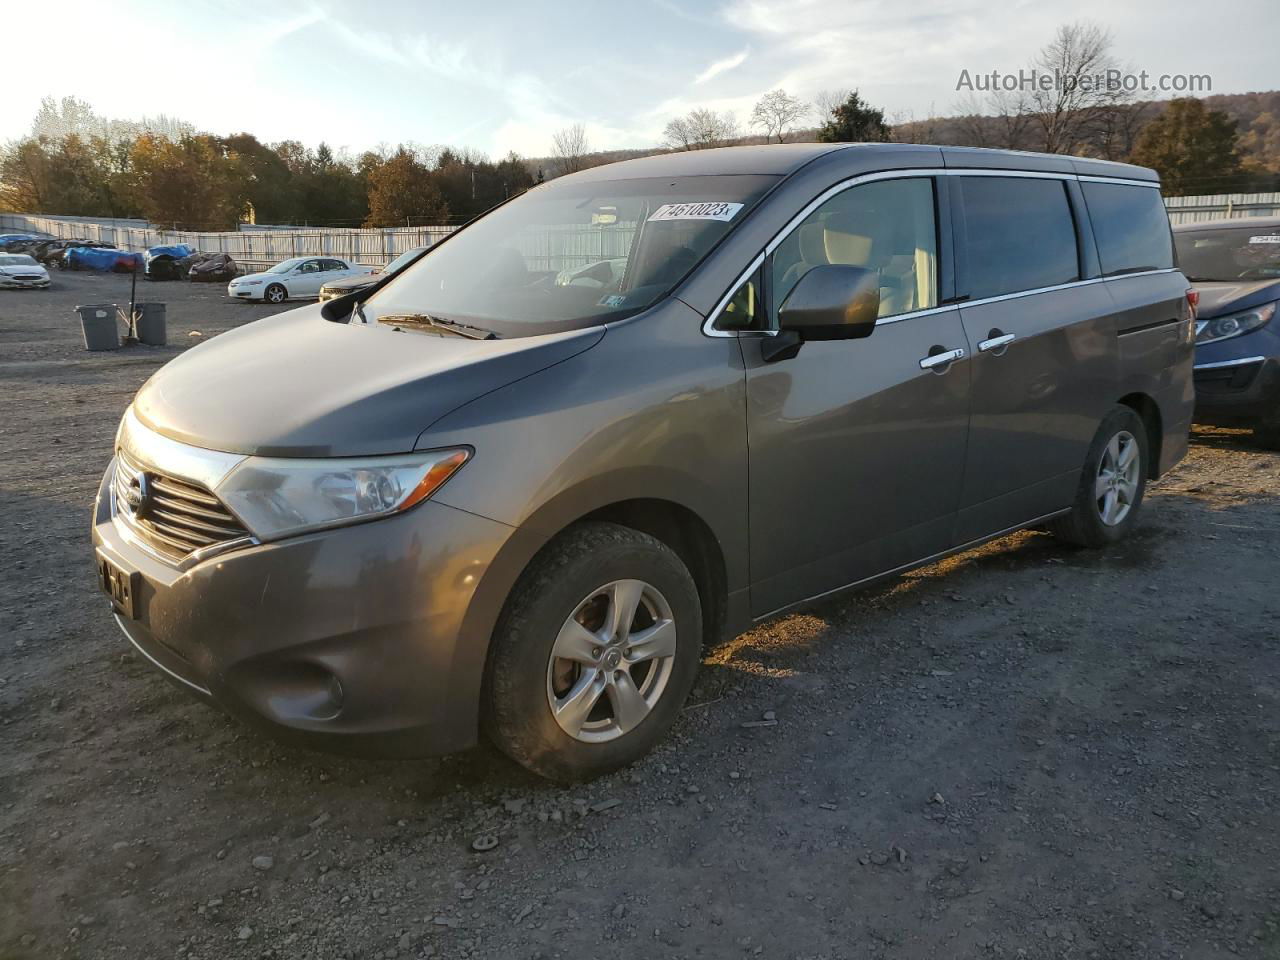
(76, 163)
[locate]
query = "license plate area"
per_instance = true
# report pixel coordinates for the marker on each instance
(120, 585)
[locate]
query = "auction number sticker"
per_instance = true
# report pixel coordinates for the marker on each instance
(1270, 238)
(713, 210)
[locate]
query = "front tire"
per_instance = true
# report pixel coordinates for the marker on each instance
(594, 655)
(1112, 483)
(276, 293)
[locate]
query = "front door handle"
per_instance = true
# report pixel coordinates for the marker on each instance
(937, 360)
(996, 343)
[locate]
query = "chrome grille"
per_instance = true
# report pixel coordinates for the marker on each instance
(179, 517)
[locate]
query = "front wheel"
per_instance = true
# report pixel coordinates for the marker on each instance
(275, 293)
(595, 653)
(1112, 483)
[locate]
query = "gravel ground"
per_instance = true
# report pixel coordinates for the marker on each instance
(1023, 751)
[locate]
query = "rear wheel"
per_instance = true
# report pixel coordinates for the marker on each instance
(275, 293)
(595, 653)
(1112, 483)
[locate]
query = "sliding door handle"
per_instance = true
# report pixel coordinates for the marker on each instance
(938, 361)
(996, 343)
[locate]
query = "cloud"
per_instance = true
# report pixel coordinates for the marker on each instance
(723, 66)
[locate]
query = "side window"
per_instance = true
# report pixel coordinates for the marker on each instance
(745, 308)
(1019, 233)
(887, 226)
(1130, 226)
(311, 266)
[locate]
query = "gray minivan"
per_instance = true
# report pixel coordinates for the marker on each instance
(520, 485)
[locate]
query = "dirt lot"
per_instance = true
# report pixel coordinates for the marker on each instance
(1024, 751)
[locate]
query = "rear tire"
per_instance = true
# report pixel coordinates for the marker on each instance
(626, 675)
(1112, 483)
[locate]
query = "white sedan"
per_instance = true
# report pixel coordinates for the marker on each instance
(21, 272)
(299, 278)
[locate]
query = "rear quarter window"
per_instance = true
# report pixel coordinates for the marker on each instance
(1018, 235)
(1130, 226)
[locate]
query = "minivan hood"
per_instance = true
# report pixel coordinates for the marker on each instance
(297, 385)
(1228, 296)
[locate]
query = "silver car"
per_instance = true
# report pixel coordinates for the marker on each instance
(478, 498)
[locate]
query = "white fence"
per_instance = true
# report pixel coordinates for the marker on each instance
(251, 249)
(1230, 205)
(256, 248)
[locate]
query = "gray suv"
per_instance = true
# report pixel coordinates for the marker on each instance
(519, 486)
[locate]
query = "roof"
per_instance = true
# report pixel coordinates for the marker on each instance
(784, 159)
(1263, 223)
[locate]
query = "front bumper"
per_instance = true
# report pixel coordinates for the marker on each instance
(245, 293)
(13, 283)
(363, 639)
(1238, 392)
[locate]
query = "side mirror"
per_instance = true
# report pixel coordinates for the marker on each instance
(832, 302)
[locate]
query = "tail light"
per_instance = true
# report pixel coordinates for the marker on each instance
(1193, 301)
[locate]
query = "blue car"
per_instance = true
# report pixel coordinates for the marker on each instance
(1235, 267)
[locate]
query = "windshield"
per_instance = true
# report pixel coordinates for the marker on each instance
(1229, 253)
(16, 260)
(572, 254)
(401, 260)
(286, 266)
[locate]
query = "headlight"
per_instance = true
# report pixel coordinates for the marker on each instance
(1235, 324)
(281, 497)
(246, 283)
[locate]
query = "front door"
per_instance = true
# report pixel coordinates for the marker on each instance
(308, 279)
(856, 448)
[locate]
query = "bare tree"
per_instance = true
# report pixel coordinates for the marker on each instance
(1118, 129)
(701, 128)
(1068, 110)
(826, 102)
(570, 148)
(972, 123)
(777, 111)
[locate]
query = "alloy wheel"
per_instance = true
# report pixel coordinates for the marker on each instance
(1119, 471)
(611, 661)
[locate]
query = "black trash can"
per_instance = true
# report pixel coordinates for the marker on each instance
(98, 321)
(150, 326)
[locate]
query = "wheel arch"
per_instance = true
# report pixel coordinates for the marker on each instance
(675, 524)
(1148, 411)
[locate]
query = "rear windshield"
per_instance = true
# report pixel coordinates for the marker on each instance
(572, 254)
(1229, 253)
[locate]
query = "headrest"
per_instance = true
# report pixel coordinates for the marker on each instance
(811, 238)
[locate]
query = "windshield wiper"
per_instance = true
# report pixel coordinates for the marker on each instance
(411, 320)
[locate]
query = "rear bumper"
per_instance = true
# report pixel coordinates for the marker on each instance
(366, 640)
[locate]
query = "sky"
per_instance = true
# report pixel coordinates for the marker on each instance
(499, 76)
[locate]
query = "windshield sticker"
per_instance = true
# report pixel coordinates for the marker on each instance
(713, 210)
(1271, 238)
(612, 300)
